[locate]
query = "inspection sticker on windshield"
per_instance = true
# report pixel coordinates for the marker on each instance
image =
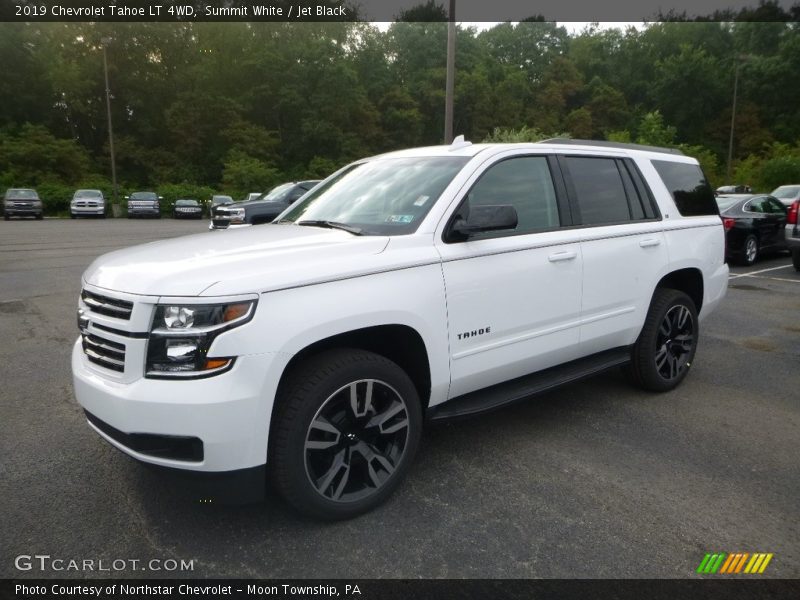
(399, 218)
(421, 200)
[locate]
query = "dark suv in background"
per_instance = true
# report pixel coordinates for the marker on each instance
(262, 210)
(144, 204)
(21, 202)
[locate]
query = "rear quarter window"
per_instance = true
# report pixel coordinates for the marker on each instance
(689, 188)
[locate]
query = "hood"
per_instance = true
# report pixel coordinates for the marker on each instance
(237, 261)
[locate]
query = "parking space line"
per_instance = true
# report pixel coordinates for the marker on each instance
(752, 273)
(778, 279)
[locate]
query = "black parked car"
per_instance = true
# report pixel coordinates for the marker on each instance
(262, 210)
(21, 202)
(186, 208)
(753, 225)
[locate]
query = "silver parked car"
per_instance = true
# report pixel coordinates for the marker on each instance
(87, 203)
(787, 193)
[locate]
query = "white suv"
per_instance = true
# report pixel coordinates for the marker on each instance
(427, 283)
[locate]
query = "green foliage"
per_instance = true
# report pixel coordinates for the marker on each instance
(33, 154)
(244, 174)
(653, 132)
(320, 167)
(778, 171)
(525, 134)
(623, 137)
(245, 106)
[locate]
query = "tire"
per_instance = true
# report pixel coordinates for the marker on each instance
(750, 250)
(72, 216)
(660, 360)
(796, 258)
(349, 464)
(6, 218)
(39, 217)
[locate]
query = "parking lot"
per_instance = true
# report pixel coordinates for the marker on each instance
(594, 480)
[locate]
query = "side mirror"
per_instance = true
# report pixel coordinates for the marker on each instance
(495, 217)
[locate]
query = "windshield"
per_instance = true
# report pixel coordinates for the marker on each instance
(277, 193)
(388, 196)
(186, 203)
(88, 194)
(787, 191)
(22, 194)
(221, 199)
(724, 202)
(144, 196)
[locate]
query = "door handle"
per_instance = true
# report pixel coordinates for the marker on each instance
(648, 242)
(559, 256)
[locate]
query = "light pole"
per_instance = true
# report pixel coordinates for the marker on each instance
(739, 60)
(451, 68)
(105, 41)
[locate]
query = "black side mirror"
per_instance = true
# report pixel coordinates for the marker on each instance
(495, 217)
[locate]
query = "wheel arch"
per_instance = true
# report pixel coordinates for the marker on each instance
(689, 281)
(401, 344)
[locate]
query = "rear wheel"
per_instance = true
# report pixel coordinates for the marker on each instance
(750, 250)
(346, 429)
(796, 258)
(664, 352)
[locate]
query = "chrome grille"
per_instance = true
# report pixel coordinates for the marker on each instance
(103, 352)
(110, 307)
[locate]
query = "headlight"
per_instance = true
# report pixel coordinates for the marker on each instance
(181, 335)
(237, 215)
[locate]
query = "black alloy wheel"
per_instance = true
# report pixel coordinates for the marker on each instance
(346, 427)
(665, 349)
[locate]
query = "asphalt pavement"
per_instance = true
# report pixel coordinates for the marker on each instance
(597, 479)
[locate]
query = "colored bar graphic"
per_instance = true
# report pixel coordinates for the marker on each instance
(741, 561)
(766, 562)
(723, 563)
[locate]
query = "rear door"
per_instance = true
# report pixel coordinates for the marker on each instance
(622, 244)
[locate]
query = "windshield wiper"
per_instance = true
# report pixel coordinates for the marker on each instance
(332, 225)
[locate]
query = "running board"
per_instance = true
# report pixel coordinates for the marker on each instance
(509, 392)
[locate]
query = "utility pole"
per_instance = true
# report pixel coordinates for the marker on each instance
(451, 70)
(105, 41)
(739, 60)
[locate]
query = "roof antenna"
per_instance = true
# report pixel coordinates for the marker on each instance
(458, 143)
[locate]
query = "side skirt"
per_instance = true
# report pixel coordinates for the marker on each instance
(515, 390)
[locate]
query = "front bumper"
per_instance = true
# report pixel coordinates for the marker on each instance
(87, 210)
(22, 211)
(142, 210)
(226, 225)
(229, 413)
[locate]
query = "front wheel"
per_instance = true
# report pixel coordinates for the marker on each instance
(664, 352)
(796, 258)
(347, 426)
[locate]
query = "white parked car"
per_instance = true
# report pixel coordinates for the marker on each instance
(422, 284)
(787, 194)
(87, 203)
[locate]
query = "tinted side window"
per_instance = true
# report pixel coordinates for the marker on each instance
(523, 182)
(775, 207)
(599, 190)
(689, 188)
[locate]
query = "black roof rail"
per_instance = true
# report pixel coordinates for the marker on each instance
(604, 144)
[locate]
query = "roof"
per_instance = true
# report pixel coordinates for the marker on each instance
(466, 149)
